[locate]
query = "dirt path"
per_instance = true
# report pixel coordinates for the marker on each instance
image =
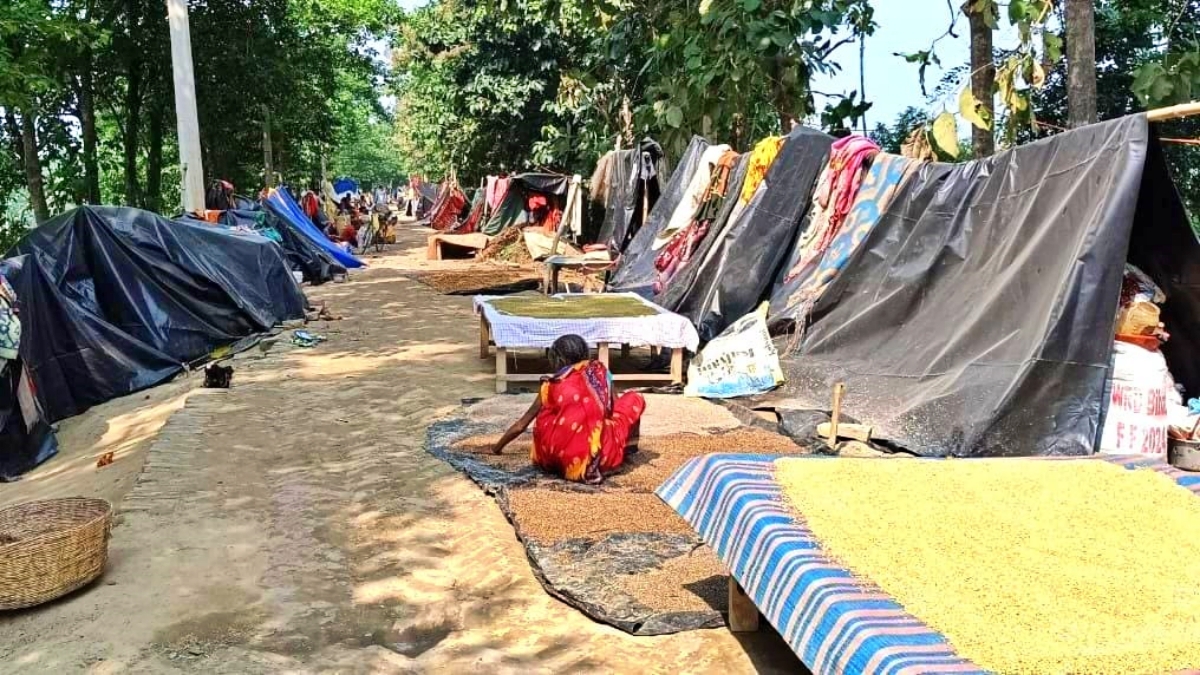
(294, 523)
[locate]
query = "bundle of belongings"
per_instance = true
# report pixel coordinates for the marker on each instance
(1145, 405)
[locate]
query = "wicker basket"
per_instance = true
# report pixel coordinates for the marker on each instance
(50, 548)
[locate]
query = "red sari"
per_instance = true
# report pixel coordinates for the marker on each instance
(580, 431)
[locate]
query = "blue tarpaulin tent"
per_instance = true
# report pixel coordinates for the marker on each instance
(281, 202)
(344, 186)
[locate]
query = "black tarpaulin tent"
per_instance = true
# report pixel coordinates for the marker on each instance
(302, 255)
(977, 317)
(633, 183)
(733, 272)
(113, 300)
(635, 270)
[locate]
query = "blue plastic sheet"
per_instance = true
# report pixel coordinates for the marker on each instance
(285, 207)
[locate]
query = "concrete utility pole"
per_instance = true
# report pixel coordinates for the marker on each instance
(187, 121)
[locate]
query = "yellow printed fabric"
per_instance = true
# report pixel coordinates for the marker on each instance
(760, 160)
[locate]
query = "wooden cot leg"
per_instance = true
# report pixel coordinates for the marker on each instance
(743, 614)
(501, 370)
(603, 356)
(485, 337)
(554, 270)
(677, 366)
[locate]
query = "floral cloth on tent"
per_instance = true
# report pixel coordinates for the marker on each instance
(879, 186)
(833, 197)
(10, 324)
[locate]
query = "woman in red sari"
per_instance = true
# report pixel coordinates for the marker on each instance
(581, 431)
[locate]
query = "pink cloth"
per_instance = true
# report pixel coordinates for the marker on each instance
(497, 187)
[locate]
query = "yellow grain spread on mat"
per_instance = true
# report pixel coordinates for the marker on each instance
(1026, 566)
(572, 306)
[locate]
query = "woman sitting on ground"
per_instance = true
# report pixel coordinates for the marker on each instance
(581, 430)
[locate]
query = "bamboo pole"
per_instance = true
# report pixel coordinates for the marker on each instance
(1174, 112)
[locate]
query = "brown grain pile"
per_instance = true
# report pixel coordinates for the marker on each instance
(473, 279)
(508, 246)
(1026, 566)
(547, 515)
(690, 583)
(659, 457)
(516, 455)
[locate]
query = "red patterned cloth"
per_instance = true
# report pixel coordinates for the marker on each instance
(581, 431)
(446, 216)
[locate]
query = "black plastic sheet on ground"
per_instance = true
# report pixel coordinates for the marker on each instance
(113, 300)
(579, 572)
(635, 271)
(977, 317)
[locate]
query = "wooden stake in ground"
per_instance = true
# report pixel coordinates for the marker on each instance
(839, 390)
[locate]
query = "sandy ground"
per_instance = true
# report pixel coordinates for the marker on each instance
(293, 523)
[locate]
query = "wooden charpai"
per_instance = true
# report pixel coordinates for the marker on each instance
(50, 548)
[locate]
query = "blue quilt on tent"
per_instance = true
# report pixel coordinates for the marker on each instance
(287, 208)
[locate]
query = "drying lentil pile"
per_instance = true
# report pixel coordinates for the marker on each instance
(615, 551)
(573, 307)
(1026, 566)
(478, 280)
(508, 246)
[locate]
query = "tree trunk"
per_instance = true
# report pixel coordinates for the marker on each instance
(87, 119)
(13, 128)
(1081, 63)
(268, 162)
(33, 168)
(133, 131)
(154, 161)
(983, 81)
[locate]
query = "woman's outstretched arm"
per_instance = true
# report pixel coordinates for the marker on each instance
(519, 426)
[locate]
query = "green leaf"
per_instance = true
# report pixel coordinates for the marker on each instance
(1052, 46)
(751, 5)
(674, 116)
(945, 134)
(972, 109)
(1018, 11)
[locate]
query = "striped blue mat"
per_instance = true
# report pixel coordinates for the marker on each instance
(836, 623)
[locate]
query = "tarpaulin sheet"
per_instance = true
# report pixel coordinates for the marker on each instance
(735, 277)
(635, 271)
(301, 253)
(26, 438)
(629, 191)
(281, 203)
(977, 317)
(113, 300)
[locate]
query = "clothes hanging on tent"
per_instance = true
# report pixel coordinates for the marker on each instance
(761, 158)
(694, 196)
(679, 250)
(497, 188)
(793, 297)
(600, 180)
(834, 196)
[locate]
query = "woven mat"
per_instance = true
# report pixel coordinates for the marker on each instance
(613, 551)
